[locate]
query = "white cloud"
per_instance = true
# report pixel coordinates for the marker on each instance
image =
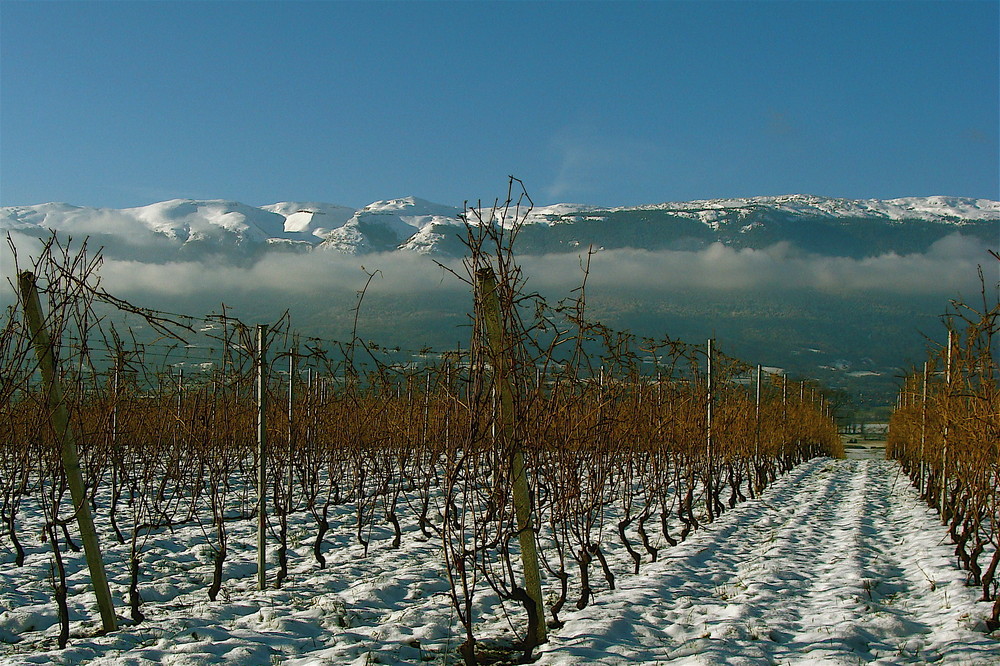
(948, 269)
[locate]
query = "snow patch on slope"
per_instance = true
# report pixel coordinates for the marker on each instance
(389, 225)
(311, 219)
(937, 207)
(189, 221)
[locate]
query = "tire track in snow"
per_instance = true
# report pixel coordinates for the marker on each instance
(829, 566)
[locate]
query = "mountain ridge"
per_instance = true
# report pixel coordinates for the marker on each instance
(410, 224)
(773, 277)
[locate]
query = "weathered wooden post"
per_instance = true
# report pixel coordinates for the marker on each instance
(67, 440)
(490, 308)
(261, 363)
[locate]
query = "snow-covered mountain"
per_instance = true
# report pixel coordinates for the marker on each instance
(407, 223)
(932, 209)
(311, 219)
(183, 227)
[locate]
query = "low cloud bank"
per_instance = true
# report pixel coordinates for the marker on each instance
(948, 268)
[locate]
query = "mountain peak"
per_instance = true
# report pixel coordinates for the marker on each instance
(410, 206)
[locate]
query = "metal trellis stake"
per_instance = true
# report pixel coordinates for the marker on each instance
(261, 456)
(948, 376)
(709, 447)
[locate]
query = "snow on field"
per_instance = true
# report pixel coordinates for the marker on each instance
(837, 563)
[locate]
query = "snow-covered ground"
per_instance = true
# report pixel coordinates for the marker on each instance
(837, 563)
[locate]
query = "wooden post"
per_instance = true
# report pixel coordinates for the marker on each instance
(490, 308)
(67, 439)
(261, 456)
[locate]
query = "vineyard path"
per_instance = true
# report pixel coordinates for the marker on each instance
(838, 563)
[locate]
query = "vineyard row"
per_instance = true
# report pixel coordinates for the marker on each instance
(945, 432)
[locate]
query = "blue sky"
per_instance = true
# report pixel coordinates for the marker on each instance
(126, 103)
